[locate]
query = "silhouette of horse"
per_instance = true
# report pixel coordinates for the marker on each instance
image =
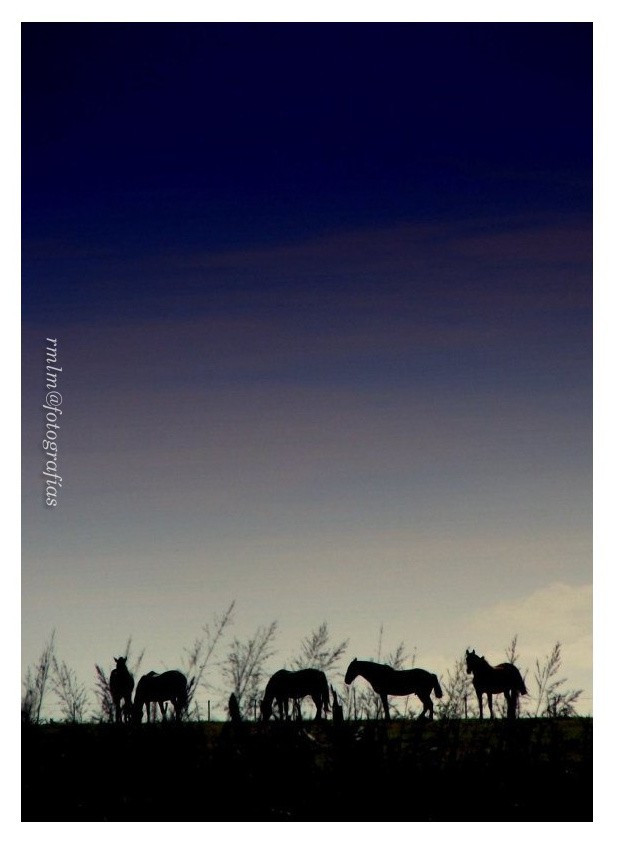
(295, 685)
(169, 686)
(490, 680)
(121, 688)
(388, 681)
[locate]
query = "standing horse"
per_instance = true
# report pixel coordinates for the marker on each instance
(490, 680)
(388, 681)
(121, 688)
(295, 685)
(169, 686)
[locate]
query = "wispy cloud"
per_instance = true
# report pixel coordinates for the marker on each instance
(559, 611)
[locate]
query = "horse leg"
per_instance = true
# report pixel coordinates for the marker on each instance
(490, 704)
(480, 700)
(511, 697)
(421, 698)
(428, 705)
(317, 700)
(386, 707)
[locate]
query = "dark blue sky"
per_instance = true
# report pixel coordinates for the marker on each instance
(322, 295)
(138, 138)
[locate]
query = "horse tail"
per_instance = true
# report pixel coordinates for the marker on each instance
(436, 687)
(517, 681)
(136, 706)
(325, 694)
(184, 698)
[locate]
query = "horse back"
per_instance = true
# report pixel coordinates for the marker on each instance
(500, 678)
(173, 682)
(513, 673)
(313, 677)
(163, 687)
(286, 683)
(510, 670)
(405, 681)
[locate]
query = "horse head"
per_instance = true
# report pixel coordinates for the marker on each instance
(266, 708)
(352, 671)
(141, 697)
(471, 660)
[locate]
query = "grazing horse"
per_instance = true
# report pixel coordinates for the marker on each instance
(490, 680)
(169, 686)
(121, 688)
(388, 681)
(295, 685)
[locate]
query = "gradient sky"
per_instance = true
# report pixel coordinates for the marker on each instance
(322, 295)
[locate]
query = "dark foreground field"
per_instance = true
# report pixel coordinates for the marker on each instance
(527, 770)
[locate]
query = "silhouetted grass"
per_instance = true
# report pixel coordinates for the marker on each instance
(530, 769)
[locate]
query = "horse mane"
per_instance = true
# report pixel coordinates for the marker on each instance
(383, 666)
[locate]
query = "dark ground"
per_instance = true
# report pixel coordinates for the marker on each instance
(526, 770)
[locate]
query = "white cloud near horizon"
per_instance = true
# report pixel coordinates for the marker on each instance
(559, 611)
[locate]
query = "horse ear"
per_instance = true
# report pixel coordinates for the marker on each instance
(115, 659)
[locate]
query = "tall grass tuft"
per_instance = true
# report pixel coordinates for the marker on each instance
(35, 684)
